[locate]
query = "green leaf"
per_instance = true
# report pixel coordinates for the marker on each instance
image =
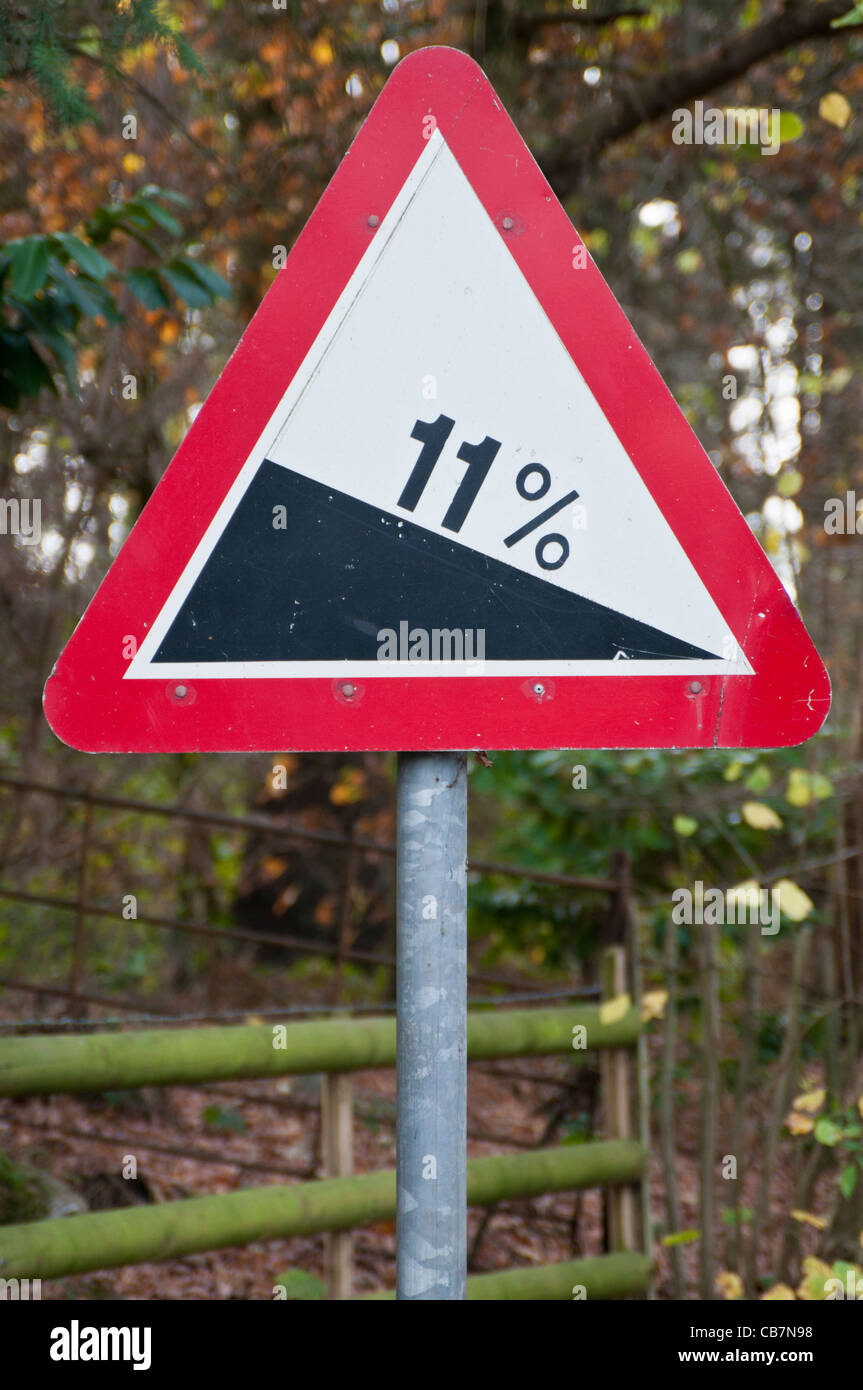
(854, 16)
(848, 1180)
(76, 290)
(155, 213)
(790, 127)
(29, 266)
(167, 195)
(681, 1238)
(135, 225)
(86, 257)
(186, 286)
(799, 792)
(685, 825)
(211, 280)
(23, 371)
(103, 222)
(822, 787)
(145, 285)
(90, 40)
(759, 779)
(826, 1132)
(60, 346)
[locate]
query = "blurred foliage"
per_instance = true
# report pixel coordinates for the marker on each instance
(680, 816)
(44, 38)
(49, 284)
(223, 1120)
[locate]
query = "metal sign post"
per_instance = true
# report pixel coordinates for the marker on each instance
(431, 1048)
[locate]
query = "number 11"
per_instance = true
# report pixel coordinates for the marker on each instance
(478, 457)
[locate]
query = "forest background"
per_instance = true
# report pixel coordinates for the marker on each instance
(157, 159)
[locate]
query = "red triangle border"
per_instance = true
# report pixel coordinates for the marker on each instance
(91, 707)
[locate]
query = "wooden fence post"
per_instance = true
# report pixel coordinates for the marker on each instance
(632, 939)
(617, 1107)
(337, 1142)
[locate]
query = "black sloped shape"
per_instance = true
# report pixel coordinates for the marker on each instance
(341, 571)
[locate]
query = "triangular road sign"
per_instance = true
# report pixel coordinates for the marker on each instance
(439, 497)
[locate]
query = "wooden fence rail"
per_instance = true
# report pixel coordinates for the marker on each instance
(603, 1276)
(40, 1065)
(132, 1235)
(187, 1056)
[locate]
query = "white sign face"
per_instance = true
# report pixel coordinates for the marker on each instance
(438, 462)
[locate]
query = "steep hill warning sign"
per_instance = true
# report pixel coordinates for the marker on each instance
(439, 497)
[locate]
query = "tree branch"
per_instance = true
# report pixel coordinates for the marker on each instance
(724, 61)
(131, 81)
(526, 25)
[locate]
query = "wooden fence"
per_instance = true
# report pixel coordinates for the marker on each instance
(40, 1065)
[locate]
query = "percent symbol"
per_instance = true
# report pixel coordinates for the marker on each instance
(433, 435)
(554, 537)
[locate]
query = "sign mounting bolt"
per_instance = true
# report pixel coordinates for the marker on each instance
(507, 224)
(373, 220)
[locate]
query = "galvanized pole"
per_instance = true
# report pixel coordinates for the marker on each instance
(431, 1029)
